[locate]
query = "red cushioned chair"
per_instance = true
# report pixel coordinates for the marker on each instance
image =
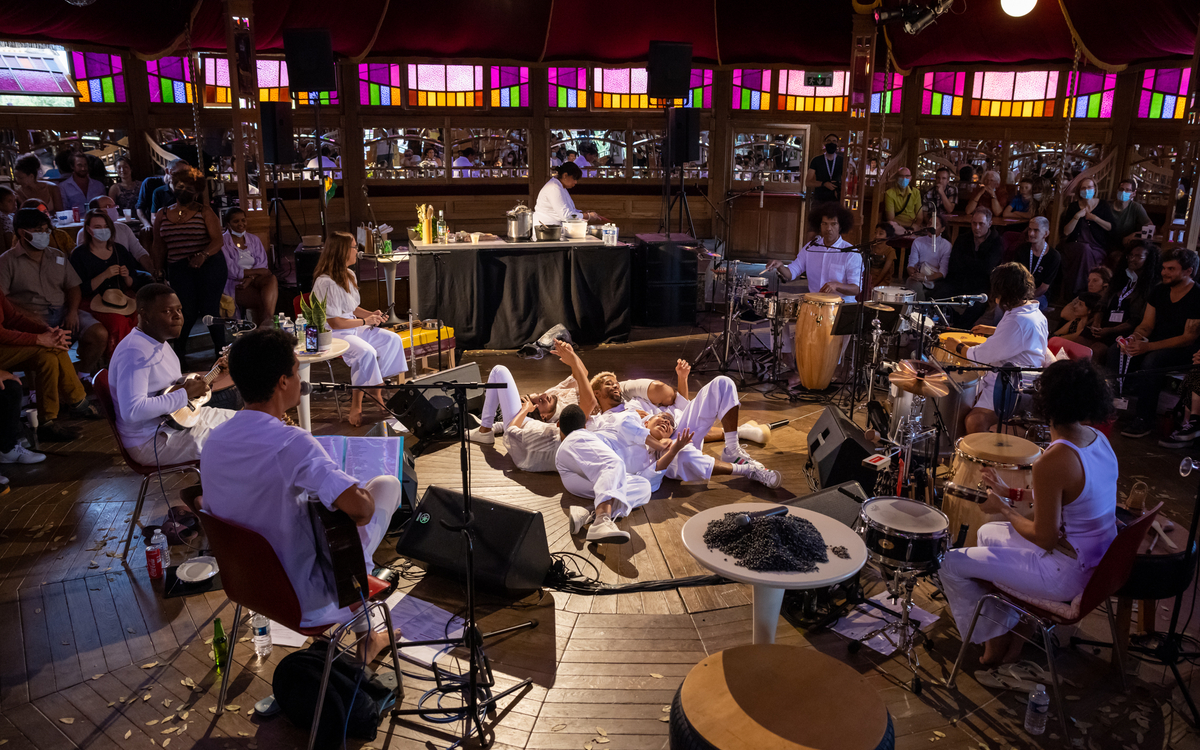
(253, 577)
(104, 396)
(1109, 576)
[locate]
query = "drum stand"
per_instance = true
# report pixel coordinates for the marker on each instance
(726, 347)
(903, 633)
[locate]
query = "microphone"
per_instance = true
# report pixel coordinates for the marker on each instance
(969, 299)
(241, 325)
(745, 519)
(325, 387)
(306, 388)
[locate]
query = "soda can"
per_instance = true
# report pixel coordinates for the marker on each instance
(154, 564)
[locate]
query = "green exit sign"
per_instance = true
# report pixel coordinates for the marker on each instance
(818, 80)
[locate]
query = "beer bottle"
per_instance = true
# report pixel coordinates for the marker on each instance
(219, 645)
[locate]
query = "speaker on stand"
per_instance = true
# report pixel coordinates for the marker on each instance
(309, 54)
(669, 69)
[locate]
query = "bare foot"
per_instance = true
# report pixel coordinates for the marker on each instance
(355, 417)
(995, 650)
(376, 642)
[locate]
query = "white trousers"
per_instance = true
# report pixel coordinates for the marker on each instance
(710, 404)
(590, 469)
(1003, 556)
(180, 446)
(374, 354)
(508, 399)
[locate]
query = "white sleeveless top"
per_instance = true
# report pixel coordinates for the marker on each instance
(1090, 521)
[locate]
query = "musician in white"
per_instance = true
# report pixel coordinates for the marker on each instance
(828, 270)
(142, 366)
(262, 474)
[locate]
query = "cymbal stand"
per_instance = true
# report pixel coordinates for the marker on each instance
(905, 632)
(726, 347)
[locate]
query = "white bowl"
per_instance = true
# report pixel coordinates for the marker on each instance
(574, 229)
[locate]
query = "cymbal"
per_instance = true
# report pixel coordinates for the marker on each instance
(920, 379)
(880, 307)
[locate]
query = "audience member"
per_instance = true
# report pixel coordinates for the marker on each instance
(1042, 260)
(1077, 316)
(966, 188)
(11, 449)
(250, 283)
(59, 239)
(80, 187)
(972, 259)
(123, 235)
(164, 195)
(1122, 309)
(902, 202)
(941, 199)
(1165, 337)
(125, 190)
(883, 255)
(1022, 205)
(1130, 223)
(145, 199)
(824, 176)
(990, 194)
(110, 277)
(1085, 228)
(928, 259)
(29, 187)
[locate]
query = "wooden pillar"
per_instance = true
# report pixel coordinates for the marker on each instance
(1186, 151)
(720, 150)
(862, 72)
(1125, 98)
(247, 122)
(539, 132)
(354, 166)
(137, 96)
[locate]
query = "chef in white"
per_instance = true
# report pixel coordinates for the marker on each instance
(827, 269)
(554, 202)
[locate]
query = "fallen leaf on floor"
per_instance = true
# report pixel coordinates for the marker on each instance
(587, 746)
(664, 718)
(1083, 726)
(151, 665)
(152, 742)
(656, 675)
(243, 734)
(166, 742)
(67, 720)
(122, 698)
(145, 697)
(208, 641)
(233, 708)
(152, 722)
(166, 702)
(601, 732)
(184, 715)
(558, 727)
(131, 630)
(128, 733)
(37, 611)
(97, 676)
(169, 730)
(111, 704)
(187, 682)
(212, 709)
(939, 735)
(65, 643)
(666, 709)
(602, 740)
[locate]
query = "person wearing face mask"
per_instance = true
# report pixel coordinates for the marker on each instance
(59, 240)
(251, 284)
(824, 177)
(1042, 260)
(110, 277)
(990, 194)
(1131, 224)
(122, 234)
(1086, 230)
(187, 244)
(901, 203)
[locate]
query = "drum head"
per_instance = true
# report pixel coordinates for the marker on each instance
(1001, 449)
(903, 514)
(820, 298)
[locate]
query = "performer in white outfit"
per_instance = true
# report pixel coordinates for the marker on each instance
(529, 425)
(1019, 339)
(828, 269)
(1052, 555)
(554, 203)
(375, 353)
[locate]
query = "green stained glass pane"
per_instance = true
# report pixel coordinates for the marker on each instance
(562, 96)
(936, 105)
(107, 85)
(374, 94)
(168, 91)
(745, 99)
(1093, 109)
(887, 102)
(1156, 103)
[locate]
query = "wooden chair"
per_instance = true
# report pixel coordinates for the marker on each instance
(108, 408)
(254, 579)
(1109, 576)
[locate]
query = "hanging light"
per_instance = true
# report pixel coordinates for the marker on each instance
(1017, 8)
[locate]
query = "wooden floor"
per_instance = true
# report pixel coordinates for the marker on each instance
(92, 656)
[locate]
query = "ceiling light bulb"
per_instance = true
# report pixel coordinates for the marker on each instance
(1017, 8)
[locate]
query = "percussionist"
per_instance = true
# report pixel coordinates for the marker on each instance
(554, 203)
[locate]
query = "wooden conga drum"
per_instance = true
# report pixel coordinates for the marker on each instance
(816, 349)
(1012, 458)
(777, 697)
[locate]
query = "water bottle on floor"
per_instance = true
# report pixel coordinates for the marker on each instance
(1037, 711)
(159, 539)
(261, 627)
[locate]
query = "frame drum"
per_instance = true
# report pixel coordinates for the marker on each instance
(816, 348)
(892, 295)
(1012, 458)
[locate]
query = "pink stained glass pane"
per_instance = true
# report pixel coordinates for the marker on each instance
(1033, 84)
(1106, 103)
(216, 71)
(8, 82)
(1183, 81)
(268, 74)
(459, 78)
(960, 80)
(615, 81)
(639, 80)
(390, 75)
(478, 77)
(38, 81)
(429, 77)
(1167, 81)
(997, 85)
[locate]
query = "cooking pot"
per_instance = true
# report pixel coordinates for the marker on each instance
(520, 222)
(574, 229)
(548, 233)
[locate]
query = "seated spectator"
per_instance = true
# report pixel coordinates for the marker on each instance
(125, 190)
(110, 277)
(250, 283)
(11, 449)
(1130, 224)
(145, 198)
(928, 259)
(966, 188)
(8, 207)
(1122, 308)
(941, 199)
(1099, 281)
(123, 235)
(1042, 260)
(59, 239)
(1085, 228)
(972, 259)
(80, 187)
(1077, 316)
(1189, 429)
(883, 255)
(1022, 205)
(62, 166)
(29, 187)
(990, 195)
(1165, 337)
(902, 202)
(327, 161)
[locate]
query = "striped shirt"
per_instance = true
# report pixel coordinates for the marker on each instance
(184, 238)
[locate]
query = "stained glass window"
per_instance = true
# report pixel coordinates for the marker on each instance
(942, 93)
(751, 89)
(886, 92)
(35, 77)
(794, 96)
(432, 85)
(272, 80)
(1164, 93)
(568, 87)
(700, 89)
(1029, 93)
(170, 80)
(1094, 95)
(510, 86)
(216, 80)
(99, 76)
(379, 83)
(627, 88)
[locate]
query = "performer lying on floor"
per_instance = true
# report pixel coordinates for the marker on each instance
(654, 395)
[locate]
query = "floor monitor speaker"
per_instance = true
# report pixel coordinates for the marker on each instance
(837, 447)
(431, 412)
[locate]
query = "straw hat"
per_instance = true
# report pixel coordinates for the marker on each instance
(114, 301)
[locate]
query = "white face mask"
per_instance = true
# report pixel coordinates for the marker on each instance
(39, 240)
(237, 234)
(102, 235)
(113, 213)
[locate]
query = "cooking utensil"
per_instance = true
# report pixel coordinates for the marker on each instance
(574, 229)
(520, 222)
(548, 233)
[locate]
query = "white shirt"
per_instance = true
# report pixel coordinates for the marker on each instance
(261, 473)
(638, 391)
(339, 302)
(330, 165)
(123, 236)
(1020, 339)
(623, 431)
(823, 266)
(933, 251)
(553, 204)
(463, 161)
(141, 367)
(532, 446)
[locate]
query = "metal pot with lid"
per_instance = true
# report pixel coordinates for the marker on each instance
(520, 222)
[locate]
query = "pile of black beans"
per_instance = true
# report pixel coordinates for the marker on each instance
(775, 544)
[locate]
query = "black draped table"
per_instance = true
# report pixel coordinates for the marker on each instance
(502, 295)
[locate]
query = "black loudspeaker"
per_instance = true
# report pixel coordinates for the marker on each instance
(279, 145)
(309, 54)
(837, 448)
(511, 552)
(685, 136)
(663, 291)
(841, 503)
(669, 69)
(431, 412)
(408, 492)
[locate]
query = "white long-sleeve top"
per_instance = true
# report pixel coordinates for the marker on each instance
(1020, 339)
(553, 204)
(934, 251)
(141, 367)
(623, 431)
(823, 265)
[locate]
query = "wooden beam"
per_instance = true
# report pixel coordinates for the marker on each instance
(243, 98)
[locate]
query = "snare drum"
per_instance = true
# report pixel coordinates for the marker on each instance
(816, 348)
(789, 307)
(1012, 458)
(764, 305)
(892, 295)
(944, 351)
(903, 534)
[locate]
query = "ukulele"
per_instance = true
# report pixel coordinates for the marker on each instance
(185, 417)
(338, 543)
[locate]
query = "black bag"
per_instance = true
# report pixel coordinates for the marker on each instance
(298, 679)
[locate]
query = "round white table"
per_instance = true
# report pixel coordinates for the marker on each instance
(306, 361)
(769, 587)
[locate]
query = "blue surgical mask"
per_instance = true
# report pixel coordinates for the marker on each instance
(902, 182)
(1124, 196)
(1087, 194)
(102, 235)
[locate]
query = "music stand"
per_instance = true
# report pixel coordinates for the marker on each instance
(847, 320)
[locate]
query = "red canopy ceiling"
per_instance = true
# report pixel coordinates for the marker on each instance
(799, 32)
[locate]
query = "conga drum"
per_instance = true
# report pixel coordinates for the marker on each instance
(1012, 458)
(816, 348)
(777, 697)
(947, 343)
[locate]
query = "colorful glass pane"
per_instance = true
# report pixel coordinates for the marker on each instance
(627, 88)
(1164, 93)
(169, 79)
(1093, 95)
(510, 86)
(431, 85)
(751, 89)
(1028, 93)
(272, 83)
(379, 84)
(36, 75)
(99, 76)
(567, 87)
(942, 93)
(794, 96)
(886, 89)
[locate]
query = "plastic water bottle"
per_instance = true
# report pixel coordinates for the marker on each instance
(279, 321)
(261, 627)
(1037, 711)
(159, 539)
(300, 323)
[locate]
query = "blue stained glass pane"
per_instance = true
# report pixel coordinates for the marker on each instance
(97, 93)
(1081, 106)
(946, 105)
(875, 103)
(180, 92)
(504, 98)
(385, 95)
(755, 100)
(1168, 110)
(571, 98)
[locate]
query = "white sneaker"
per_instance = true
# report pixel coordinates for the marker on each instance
(483, 438)
(765, 476)
(605, 530)
(737, 455)
(580, 517)
(20, 455)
